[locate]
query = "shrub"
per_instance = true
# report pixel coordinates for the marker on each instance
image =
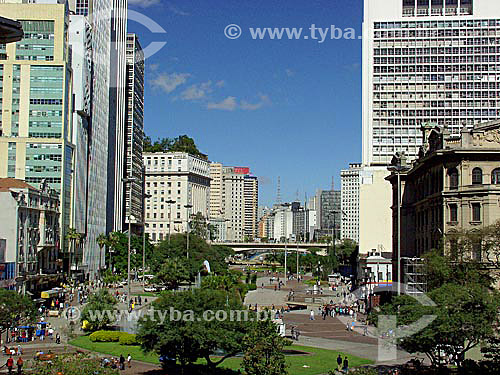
(123, 338)
(252, 287)
(128, 339)
(358, 371)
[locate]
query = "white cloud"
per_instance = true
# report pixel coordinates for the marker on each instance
(220, 83)
(247, 106)
(169, 82)
(289, 72)
(228, 104)
(176, 10)
(144, 3)
(197, 92)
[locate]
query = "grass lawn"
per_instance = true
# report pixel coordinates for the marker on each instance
(319, 361)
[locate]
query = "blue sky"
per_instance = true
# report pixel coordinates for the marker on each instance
(289, 108)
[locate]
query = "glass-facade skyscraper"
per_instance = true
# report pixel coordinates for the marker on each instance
(35, 130)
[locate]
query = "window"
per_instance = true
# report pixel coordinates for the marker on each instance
(495, 177)
(453, 175)
(476, 212)
(453, 213)
(477, 176)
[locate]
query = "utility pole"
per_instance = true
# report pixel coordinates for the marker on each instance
(130, 218)
(170, 203)
(187, 207)
(285, 262)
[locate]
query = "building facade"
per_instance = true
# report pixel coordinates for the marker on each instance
(30, 231)
(134, 132)
(36, 133)
(454, 185)
(329, 213)
(426, 61)
(350, 182)
(234, 200)
(179, 178)
(251, 202)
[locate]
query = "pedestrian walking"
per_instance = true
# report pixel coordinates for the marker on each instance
(129, 361)
(122, 362)
(9, 364)
(339, 362)
(346, 365)
(20, 363)
(311, 317)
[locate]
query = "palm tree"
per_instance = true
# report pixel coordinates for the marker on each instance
(113, 241)
(75, 238)
(102, 241)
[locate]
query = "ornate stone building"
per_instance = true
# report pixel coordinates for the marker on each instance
(454, 185)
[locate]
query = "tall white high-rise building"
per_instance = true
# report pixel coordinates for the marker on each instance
(424, 61)
(251, 199)
(134, 132)
(350, 182)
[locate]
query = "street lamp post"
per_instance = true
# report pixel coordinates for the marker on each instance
(130, 218)
(399, 165)
(144, 197)
(187, 207)
(170, 202)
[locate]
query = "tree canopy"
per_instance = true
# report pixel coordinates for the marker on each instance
(264, 350)
(15, 309)
(188, 333)
(182, 143)
(94, 311)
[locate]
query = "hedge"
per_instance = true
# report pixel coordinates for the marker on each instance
(123, 338)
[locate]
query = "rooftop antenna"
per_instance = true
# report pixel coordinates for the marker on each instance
(278, 196)
(333, 183)
(297, 196)
(305, 200)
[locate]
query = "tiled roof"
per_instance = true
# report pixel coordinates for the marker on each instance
(10, 183)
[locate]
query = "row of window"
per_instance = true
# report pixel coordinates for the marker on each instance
(475, 212)
(477, 177)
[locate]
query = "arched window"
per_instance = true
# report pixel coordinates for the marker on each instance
(495, 177)
(477, 176)
(453, 174)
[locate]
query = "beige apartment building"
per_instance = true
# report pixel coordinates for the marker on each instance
(174, 180)
(234, 196)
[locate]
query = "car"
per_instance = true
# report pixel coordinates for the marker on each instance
(150, 288)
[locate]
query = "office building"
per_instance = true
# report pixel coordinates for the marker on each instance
(350, 182)
(134, 133)
(80, 39)
(174, 177)
(29, 236)
(251, 202)
(36, 133)
(328, 203)
(234, 199)
(426, 61)
(107, 143)
(216, 211)
(453, 186)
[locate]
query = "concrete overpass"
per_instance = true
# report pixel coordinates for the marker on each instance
(258, 247)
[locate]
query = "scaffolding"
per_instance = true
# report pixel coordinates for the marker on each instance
(414, 276)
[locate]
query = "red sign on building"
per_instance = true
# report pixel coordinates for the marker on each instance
(241, 170)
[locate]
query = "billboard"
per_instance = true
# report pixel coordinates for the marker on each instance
(241, 170)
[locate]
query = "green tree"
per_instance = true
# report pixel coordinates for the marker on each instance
(198, 226)
(15, 310)
(118, 245)
(182, 143)
(103, 242)
(75, 239)
(199, 251)
(264, 350)
(463, 319)
(172, 273)
(187, 335)
(94, 311)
